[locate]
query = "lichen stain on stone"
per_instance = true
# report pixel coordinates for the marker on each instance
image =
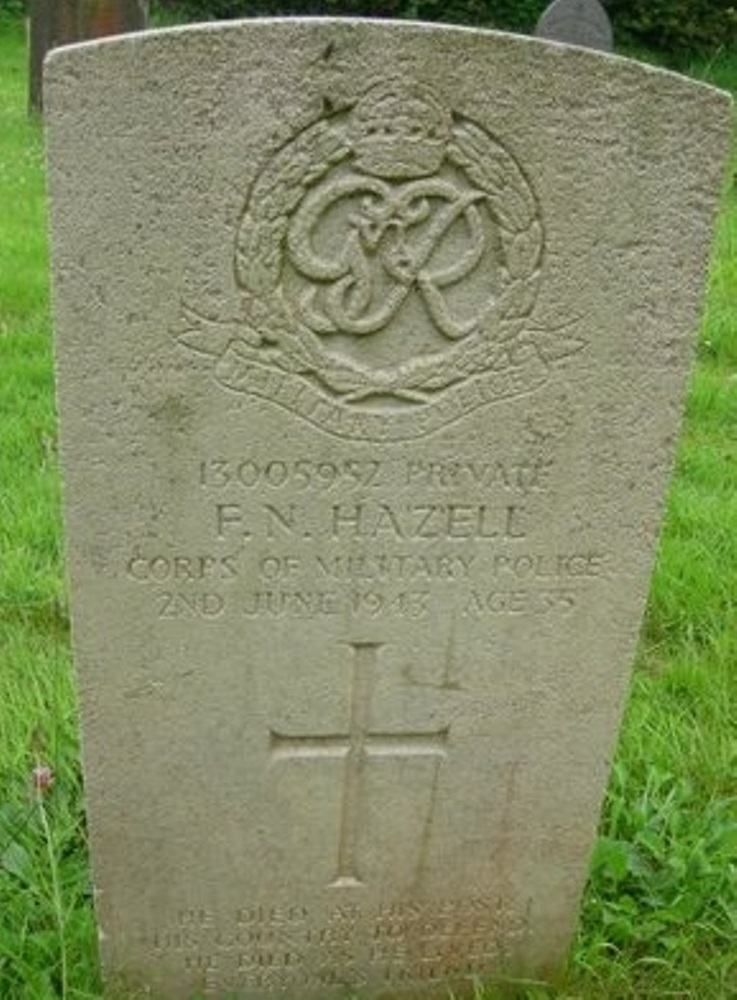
(174, 413)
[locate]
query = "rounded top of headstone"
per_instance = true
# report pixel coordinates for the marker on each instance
(577, 22)
(399, 130)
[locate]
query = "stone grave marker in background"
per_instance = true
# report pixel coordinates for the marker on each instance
(60, 22)
(371, 342)
(577, 22)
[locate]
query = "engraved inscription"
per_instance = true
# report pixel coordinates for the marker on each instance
(355, 748)
(279, 526)
(389, 258)
(375, 520)
(290, 947)
(181, 569)
(520, 475)
(299, 474)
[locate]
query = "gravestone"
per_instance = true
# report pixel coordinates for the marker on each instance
(371, 345)
(577, 22)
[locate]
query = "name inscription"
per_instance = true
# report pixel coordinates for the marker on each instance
(406, 522)
(366, 538)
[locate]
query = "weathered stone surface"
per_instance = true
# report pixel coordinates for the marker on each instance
(577, 22)
(372, 340)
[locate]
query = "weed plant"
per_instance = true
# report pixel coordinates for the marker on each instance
(660, 909)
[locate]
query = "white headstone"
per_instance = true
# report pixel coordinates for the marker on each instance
(577, 22)
(371, 344)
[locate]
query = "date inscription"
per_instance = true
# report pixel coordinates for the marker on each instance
(367, 584)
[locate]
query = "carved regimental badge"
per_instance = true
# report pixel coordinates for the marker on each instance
(389, 258)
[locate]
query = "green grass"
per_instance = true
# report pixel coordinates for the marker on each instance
(660, 911)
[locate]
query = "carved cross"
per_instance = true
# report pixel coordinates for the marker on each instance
(359, 745)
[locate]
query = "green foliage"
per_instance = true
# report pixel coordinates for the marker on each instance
(217, 9)
(506, 14)
(679, 27)
(676, 27)
(514, 15)
(663, 862)
(45, 915)
(16, 8)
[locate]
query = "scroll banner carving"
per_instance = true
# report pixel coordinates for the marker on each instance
(389, 258)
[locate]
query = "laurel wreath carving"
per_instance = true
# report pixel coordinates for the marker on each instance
(275, 335)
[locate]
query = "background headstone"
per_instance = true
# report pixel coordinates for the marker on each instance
(371, 345)
(61, 22)
(577, 22)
